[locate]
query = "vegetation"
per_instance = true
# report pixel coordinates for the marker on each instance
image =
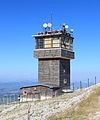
(84, 110)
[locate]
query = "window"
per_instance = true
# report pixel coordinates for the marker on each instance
(40, 43)
(65, 81)
(52, 42)
(56, 42)
(47, 43)
(71, 41)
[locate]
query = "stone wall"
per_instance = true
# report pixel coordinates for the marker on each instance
(65, 73)
(48, 71)
(53, 53)
(54, 71)
(38, 93)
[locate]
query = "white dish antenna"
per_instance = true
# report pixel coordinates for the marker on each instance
(49, 25)
(45, 25)
(71, 30)
(66, 26)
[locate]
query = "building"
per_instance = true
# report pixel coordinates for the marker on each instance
(54, 50)
(38, 92)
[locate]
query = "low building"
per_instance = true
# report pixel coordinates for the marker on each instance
(39, 92)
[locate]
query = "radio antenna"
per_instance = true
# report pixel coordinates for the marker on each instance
(51, 21)
(44, 24)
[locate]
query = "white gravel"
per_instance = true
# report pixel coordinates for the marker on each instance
(41, 110)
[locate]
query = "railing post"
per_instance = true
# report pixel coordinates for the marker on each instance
(95, 80)
(29, 107)
(80, 85)
(88, 82)
(73, 87)
(7, 99)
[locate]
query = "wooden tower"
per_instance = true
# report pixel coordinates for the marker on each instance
(54, 50)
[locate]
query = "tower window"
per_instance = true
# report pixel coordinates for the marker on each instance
(56, 42)
(47, 43)
(65, 81)
(40, 43)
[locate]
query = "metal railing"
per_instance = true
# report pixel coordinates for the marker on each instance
(9, 98)
(83, 84)
(14, 98)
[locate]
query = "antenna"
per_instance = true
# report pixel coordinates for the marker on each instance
(71, 30)
(50, 24)
(66, 26)
(44, 21)
(45, 25)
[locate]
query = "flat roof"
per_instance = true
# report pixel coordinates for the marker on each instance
(51, 86)
(50, 33)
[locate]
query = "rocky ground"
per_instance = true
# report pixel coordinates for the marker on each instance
(53, 109)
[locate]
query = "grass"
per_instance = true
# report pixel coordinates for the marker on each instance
(85, 109)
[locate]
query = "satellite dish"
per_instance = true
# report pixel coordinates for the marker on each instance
(49, 25)
(66, 26)
(71, 30)
(45, 25)
(63, 25)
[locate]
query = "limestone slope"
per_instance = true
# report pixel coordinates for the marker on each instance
(69, 106)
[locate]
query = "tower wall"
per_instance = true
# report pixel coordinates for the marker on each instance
(54, 71)
(48, 71)
(64, 72)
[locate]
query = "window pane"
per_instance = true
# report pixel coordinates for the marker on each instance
(47, 46)
(39, 43)
(56, 41)
(56, 45)
(47, 43)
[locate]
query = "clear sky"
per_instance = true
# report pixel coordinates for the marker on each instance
(19, 19)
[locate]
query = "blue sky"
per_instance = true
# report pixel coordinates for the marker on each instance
(19, 19)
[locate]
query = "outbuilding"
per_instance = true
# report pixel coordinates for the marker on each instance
(39, 92)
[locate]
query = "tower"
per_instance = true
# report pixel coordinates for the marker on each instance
(54, 50)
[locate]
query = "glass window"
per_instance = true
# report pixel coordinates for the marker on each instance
(71, 41)
(56, 42)
(56, 45)
(39, 43)
(47, 43)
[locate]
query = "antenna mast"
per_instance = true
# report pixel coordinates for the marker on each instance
(51, 21)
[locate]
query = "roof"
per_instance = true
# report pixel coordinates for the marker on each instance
(50, 33)
(51, 86)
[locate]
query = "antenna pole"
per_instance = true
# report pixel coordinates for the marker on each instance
(51, 21)
(44, 20)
